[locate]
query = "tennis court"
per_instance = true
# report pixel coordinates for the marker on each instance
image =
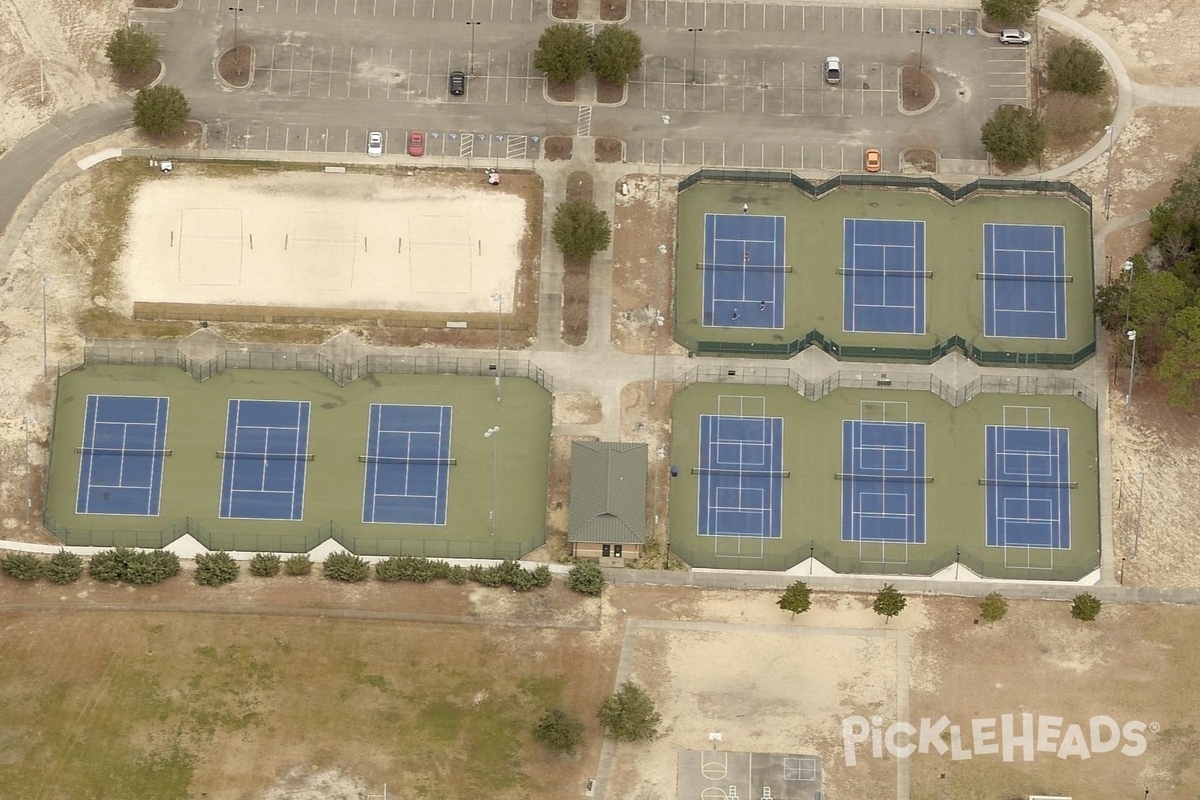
(883, 275)
(1024, 281)
(1028, 480)
(741, 470)
(265, 459)
(744, 268)
(121, 469)
(407, 464)
(883, 475)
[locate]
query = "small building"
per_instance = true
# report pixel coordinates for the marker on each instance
(608, 500)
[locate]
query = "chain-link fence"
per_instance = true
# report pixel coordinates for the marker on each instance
(340, 373)
(898, 381)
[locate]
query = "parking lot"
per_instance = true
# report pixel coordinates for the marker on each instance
(744, 87)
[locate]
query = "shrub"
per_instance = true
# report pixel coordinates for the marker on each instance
(389, 571)
(491, 577)
(345, 567)
(560, 731)
(133, 566)
(457, 575)
(299, 564)
(439, 569)
(993, 607)
(1077, 67)
(542, 576)
(265, 565)
(1009, 12)
(22, 566)
(580, 229)
(629, 714)
(586, 578)
(889, 602)
(516, 576)
(64, 567)
(1085, 607)
(216, 569)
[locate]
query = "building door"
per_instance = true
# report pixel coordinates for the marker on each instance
(617, 550)
(605, 550)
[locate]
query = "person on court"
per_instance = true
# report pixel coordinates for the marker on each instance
(745, 208)
(762, 306)
(735, 314)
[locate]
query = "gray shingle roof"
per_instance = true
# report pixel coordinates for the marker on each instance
(608, 493)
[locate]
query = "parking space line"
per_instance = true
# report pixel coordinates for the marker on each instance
(370, 60)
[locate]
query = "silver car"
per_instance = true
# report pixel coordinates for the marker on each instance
(833, 69)
(1015, 36)
(374, 143)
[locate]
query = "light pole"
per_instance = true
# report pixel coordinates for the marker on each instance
(921, 50)
(1132, 337)
(695, 32)
(499, 298)
(236, 60)
(45, 338)
(1137, 528)
(471, 57)
(662, 146)
(1128, 268)
(1108, 169)
(493, 433)
(657, 322)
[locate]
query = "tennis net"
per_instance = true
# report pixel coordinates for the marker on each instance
(266, 456)
(743, 267)
(886, 273)
(1013, 276)
(856, 476)
(405, 460)
(743, 473)
(118, 451)
(1035, 484)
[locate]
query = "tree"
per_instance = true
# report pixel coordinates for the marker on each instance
(563, 52)
(1156, 299)
(889, 602)
(297, 565)
(1085, 607)
(1077, 67)
(160, 110)
(1014, 135)
(580, 229)
(1179, 367)
(586, 578)
(345, 567)
(131, 49)
(64, 567)
(796, 598)
(629, 714)
(560, 731)
(1009, 12)
(616, 53)
(993, 607)
(216, 569)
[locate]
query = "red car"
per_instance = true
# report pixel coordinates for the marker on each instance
(416, 143)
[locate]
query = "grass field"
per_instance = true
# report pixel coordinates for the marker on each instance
(334, 483)
(812, 451)
(954, 253)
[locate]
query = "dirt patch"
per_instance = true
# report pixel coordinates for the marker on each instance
(577, 273)
(557, 148)
(236, 66)
(650, 422)
(564, 9)
(609, 92)
(643, 279)
(132, 81)
(576, 409)
(609, 151)
(917, 88)
(560, 91)
(919, 160)
(613, 10)
(189, 137)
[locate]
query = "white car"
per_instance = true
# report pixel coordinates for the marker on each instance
(374, 143)
(1015, 36)
(833, 69)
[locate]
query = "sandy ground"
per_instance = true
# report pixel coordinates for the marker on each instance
(316, 240)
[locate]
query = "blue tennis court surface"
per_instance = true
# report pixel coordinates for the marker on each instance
(408, 464)
(741, 476)
(1024, 281)
(1028, 487)
(744, 268)
(121, 470)
(883, 481)
(266, 459)
(883, 276)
